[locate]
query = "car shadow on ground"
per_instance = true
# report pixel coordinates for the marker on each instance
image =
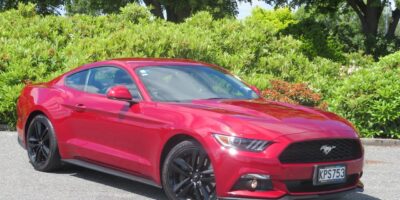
(146, 190)
(357, 196)
(114, 181)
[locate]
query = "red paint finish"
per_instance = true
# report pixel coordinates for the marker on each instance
(131, 136)
(119, 92)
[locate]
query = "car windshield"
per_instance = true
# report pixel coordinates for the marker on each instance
(187, 83)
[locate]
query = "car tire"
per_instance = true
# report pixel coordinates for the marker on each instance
(42, 145)
(187, 173)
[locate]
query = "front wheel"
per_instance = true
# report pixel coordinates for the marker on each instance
(42, 145)
(188, 173)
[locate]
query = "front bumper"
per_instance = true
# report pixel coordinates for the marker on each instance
(230, 165)
(316, 196)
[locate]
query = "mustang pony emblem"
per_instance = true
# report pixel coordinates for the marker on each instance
(326, 149)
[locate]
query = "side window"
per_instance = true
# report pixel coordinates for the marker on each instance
(77, 80)
(103, 78)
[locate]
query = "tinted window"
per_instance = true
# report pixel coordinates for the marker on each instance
(77, 80)
(103, 78)
(185, 83)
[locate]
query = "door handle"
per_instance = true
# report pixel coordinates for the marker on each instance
(80, 107)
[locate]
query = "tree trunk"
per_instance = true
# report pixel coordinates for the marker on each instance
(177, 13)
(369, 15)
(370, 27)
(372, 16)
(393, 24)
(171, 16)
(41, 8)
(156, 8)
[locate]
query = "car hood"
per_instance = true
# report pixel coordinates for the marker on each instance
(249, 117)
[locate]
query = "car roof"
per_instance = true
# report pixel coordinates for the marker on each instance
(138, 62)
(143, 62)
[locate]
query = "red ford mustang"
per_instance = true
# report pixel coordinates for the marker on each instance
(191, 128)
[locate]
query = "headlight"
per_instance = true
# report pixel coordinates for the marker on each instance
(242, 143)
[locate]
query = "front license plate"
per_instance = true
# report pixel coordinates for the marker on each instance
(329, 174)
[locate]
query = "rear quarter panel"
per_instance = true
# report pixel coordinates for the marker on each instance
(38, 98)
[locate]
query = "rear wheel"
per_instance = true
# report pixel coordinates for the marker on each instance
(42, 145)
(188, 174)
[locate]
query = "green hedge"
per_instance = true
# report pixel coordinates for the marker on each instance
(371, 98)
(38, 48)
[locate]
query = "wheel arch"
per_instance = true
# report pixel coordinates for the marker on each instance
(173, 141)
(32, 115)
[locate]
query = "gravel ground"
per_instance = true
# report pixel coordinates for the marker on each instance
(19, 181)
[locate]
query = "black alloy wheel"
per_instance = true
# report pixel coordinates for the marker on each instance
(188, 173)
(42, 145)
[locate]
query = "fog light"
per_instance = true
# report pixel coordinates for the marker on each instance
(253, 182)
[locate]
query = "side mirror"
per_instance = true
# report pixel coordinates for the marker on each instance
(120, 93)
(255, 89)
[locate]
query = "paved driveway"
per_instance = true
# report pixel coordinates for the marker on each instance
(19, 181)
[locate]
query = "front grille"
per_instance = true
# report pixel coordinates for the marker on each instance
(307, 185)
(312, 151)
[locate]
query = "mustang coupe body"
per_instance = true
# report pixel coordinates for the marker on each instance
(188, 127)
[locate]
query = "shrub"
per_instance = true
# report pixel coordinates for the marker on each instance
(391, 61)
(370, 99)
(316, 38)
(294, 93)
(38, 48)
(277, 19)
(134, 13)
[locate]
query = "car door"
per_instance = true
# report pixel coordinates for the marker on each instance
(73, 96)
(109, 129)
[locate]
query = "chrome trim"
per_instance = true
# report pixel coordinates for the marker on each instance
(257, 176)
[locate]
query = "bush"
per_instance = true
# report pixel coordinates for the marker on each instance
(391, 61)
(316, 37)
(370, 99)
(276, 20)
(135, 14)
(38, 48)
(294, 93)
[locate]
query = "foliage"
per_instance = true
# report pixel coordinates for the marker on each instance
(174, 10)
(277, 19)
(177, 10)
(294, 93)
(39, 48)
(95, 7)
(370, 98)
(368, 13)
(135, 13)
(391, 61)
(317, 39)
(43, 7)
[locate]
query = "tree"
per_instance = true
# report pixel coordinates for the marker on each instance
(395, 20)
(369, 13)
(178, 10)
(95, 7)
(44, 7)
(175, 10)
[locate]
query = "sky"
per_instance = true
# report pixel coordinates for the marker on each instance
(245, 8)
